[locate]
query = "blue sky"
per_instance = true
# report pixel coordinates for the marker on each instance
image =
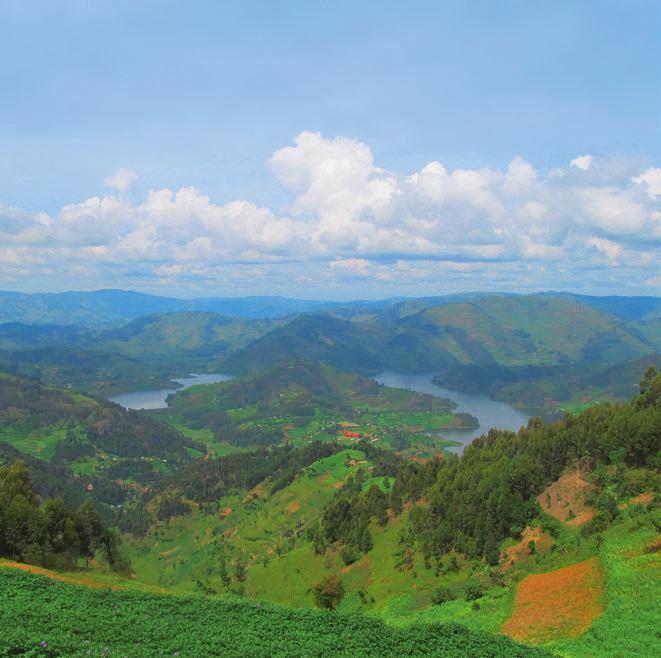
(226, 97)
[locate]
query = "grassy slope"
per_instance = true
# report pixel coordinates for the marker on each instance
(59, 619)
(283, 572)
(526, 331)
(628, 628)
(254, 528)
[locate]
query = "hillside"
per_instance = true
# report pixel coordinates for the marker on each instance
(90, 441)
(550, 389)
(493, 330)
(143, 624)
(557, 524)
(522, 331)
(333, 341)
(505, 534)
(302, 401)
(143, 354)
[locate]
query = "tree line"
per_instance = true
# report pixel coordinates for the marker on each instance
(470, 503)
(51, 534)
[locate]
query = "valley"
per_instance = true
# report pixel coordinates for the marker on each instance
(313, 474)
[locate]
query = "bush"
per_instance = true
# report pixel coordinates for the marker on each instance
(349, 555)
(442, 595)
(473, 592)
(329, 592)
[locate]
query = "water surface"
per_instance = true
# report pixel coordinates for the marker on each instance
(156, 399)
(490, 413)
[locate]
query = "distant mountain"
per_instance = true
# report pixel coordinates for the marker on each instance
(630, 308)
(108, 308)
(145, 353)
(493, 330)
(336, 342)
(114, 308)
(520, 330)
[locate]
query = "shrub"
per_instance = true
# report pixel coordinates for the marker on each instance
(329, 592)
(442, 595)
(349, 555)
(474, 591)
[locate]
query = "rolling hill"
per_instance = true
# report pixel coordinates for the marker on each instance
(84, 440)
(299, 401)
(494, 330)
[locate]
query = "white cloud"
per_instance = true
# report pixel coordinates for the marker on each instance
(608, 247)
(652, 178)
(121, 179)
(349, 218)
(582, 162)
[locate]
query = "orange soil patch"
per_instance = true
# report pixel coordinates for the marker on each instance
(324, 478)
(338, 485)
(293, 507)
(565, 499)
(641, 499)
(521, 551)
(558, 604)
(73, 580)
(255, 492)
(223, 514)
(170, 551)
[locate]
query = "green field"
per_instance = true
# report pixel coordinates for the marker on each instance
(122, 623)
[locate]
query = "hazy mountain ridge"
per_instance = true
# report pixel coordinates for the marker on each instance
(106, 308)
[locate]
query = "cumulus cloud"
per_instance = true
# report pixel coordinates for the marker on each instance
(582, 162)
(349, 219)
(121, 179)
(652, 179)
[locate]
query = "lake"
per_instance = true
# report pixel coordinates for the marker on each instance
(490, 413)
(156, 399)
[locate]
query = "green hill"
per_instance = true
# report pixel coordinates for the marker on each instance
(300, 401)
(550, 389)
(333, 341)
(91, 441)
(144, 354)
(493, 330)
(451, 539)
(143, 624)
(523, 331)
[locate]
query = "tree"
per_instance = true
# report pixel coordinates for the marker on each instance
(90, 529)
(329, 592)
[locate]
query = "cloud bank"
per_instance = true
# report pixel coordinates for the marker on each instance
(354, 228)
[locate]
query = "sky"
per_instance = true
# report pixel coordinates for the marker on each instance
(340, 150)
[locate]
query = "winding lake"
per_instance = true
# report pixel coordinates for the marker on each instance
(490, 413)
(156, 399)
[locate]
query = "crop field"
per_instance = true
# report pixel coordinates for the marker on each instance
(558, 604)
(59, 619)
(38, 442)
(631, 619)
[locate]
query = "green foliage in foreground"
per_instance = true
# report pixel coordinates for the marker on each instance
(57, 619)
